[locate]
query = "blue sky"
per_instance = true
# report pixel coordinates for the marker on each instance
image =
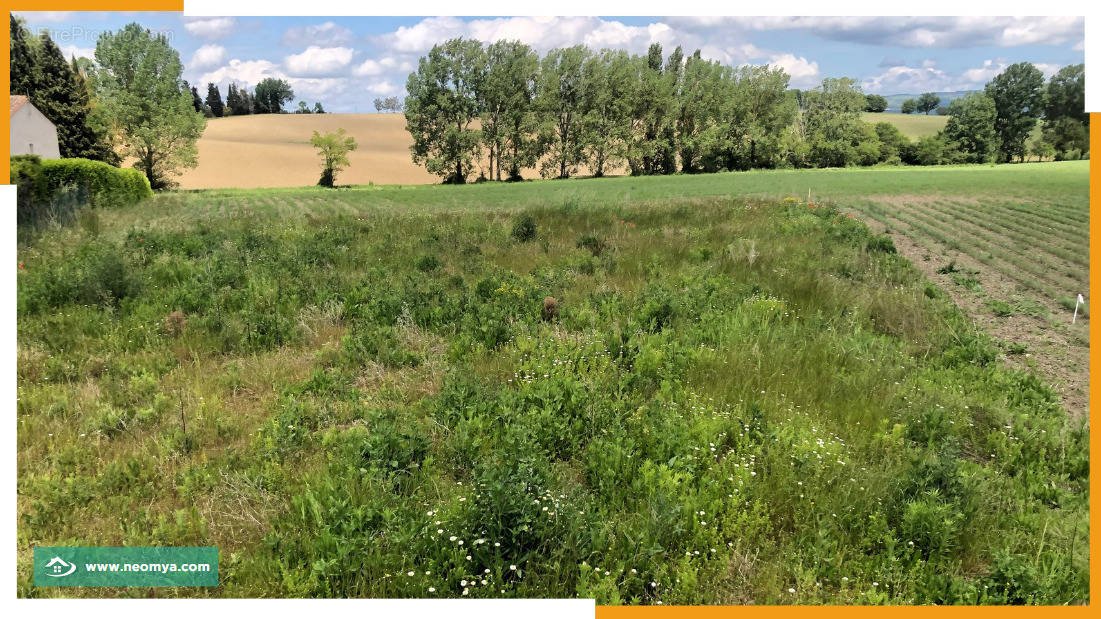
(345, 62)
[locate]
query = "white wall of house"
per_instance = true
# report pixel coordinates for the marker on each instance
(33, 134)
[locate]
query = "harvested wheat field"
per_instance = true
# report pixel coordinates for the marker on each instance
(273, 150)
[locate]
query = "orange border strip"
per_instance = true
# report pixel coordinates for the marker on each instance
(714, 612)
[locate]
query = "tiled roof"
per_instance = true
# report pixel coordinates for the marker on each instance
(17, 102)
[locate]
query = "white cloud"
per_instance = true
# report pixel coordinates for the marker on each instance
(369, 67)
(248, 73)
(80, 52)
(1047, 68)
(210, 55)
(384, 88)
(904, 79)
(328, 34)
(804, 73)
(985, 73)
(319, 61)
(542, 33)
(928, 78)
(907, 31)
(50, 16)
(210, 27)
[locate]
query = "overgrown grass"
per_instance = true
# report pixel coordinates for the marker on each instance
(738, 401)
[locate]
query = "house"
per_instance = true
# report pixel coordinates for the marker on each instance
(31, 132)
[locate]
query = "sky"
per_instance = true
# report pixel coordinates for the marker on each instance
(345, 62)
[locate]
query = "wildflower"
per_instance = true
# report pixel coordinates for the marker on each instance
(411, 573)
(431, 589)
(512, 567)
(791, 590)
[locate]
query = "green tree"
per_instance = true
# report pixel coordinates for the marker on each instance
(196, 100)
(334, 149)
(909, 106)
(441, 108)
(560, 106)
(1065, 95)
(21, 81)
(892, 143)
(303, 108)
(971, 127)
(214, 100)
(317, 109)
(607, 91)
(1066, 123)
(875, 103)
(1018, 97)
(833, 124)
(756, 109)
(505, 97)
(1041, 149)
(927, 102)
(62, 96)
(270, 95)
(143, 101)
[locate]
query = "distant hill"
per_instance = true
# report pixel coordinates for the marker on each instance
(894, 102)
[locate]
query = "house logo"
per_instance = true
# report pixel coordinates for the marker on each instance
(58, 567)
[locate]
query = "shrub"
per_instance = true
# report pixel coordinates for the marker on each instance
(107, 185)
(523, 229)
(428, 263)
(595, 244)
(881, 243)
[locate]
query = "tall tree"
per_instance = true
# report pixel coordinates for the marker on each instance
(560, 101)
(214, 100)
(317, 109)
(21, 81)
(143, 100)
(196, 100)
(505, 99)
(608, 88)
(1018, 96)
(927, 102)
(833, 123)
(61, 95)
(441, 108)
(971, 127)
(755, 109)
(1065, 95)
(698, 128)
(909, 106)
(270, 95)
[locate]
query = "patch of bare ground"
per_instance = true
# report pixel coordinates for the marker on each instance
(1052, 346)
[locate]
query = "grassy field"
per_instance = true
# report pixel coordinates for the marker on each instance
(282, 143)
(742, 393)
(913, 126)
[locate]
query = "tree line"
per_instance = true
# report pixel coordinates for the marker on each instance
(500, 108)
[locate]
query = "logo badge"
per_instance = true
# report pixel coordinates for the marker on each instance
(58, 567)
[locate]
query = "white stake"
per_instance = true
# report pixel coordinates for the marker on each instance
(1076, 304)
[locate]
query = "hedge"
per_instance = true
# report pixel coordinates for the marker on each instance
(107, 185)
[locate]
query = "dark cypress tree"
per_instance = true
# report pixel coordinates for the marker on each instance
(62, 98)
(214, 100)
(196, 100)
(22, 60)
(233, 100)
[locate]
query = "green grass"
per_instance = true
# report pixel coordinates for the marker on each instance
(913, 126)
(741, 396)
